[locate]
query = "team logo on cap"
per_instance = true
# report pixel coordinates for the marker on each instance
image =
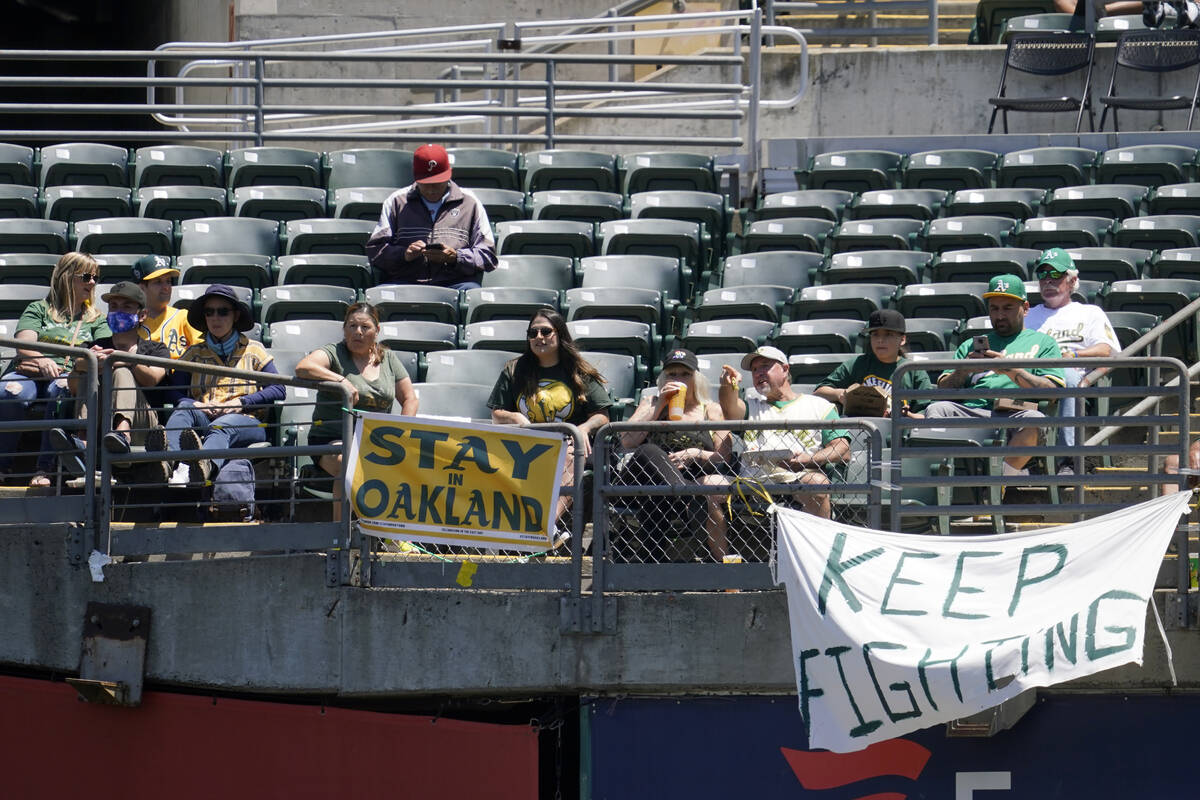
(431, 166)
(1002, 286)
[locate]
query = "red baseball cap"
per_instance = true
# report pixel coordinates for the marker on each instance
(431, 164)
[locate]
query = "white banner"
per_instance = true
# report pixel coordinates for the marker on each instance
(895, 632)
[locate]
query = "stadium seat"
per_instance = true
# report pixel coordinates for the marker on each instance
(657, 274)
(81, 203)
(125, 235)
(990, 16)
(655, 237)
(277, 166)
(618, 302)
(1158, 232)
(17, 164)
(348, 236)
(842, 301)
(746, 302)
(177, 203)
(418, 335)
(329, 269)
(972, 327)
(661, 171)
(948, 170)
(1157, 52)
(547, 272)
(359, 202)
(33, 236)
(305, 336)
(854, 170)
(958, 300)
(706, 208)
(1129, 326)
(16, 296)
(507, 335)
(484, 168)
(1112, 200)
(577, 205)
(501, 205)
(922, 204)
(178, 165)
(960, 233)
(796, 233)
(812, 368)
(1159, 296)
(930, 334)
(615, 336)
(1106, 264)
(507, 302)
(280, 203)
(1046, 167)
(1174, 198)
(114, 266)
(305, 301)
(819, 336)
(473, 366)
(621, 379)
(27, 268)
(347, 169)
(1048, 22)
(1018, 203)
(1041, 55)
(228, 235)
(457, 400)
(875, 234)
(545, 237)
(17, 200)
(897, 267)
(1146, 164)
(1109, 29)
(420, 303)
(981, 264)
(568, 169)
(252, 270)
(727, 335)
(1039, 233)
(1175, 263)
(819, 203)
(788, 269)
(84, 163)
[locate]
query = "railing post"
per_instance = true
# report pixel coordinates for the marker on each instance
(612, 47)
(550, 101)
(104, 411)
(755, 89)
(600, 462)
(259, 99)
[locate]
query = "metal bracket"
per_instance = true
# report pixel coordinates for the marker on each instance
(77, 550)
(575, 616)
(112, 662)
(334, 567)
(1179, 611)
(991, 721)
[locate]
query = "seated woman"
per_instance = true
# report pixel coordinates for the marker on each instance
(67, 316)
(376, 377)
(699, 456)
(875, 368)
(218, 413)
(551, 382)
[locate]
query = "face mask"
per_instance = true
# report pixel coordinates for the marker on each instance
(121, 321)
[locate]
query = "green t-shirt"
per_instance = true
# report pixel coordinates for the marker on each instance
(554, 400)
(1026, 345)
(870, 371)
(377, 395)
(36, 318)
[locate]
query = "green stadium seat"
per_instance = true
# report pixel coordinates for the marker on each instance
(303, 337)
(812, 368)
(228, 235)
(18, 200)
(616, 302)
(577, 205)
(84, 163)
(957, 300)
(819, 203)
(841, 301)
(1157, 52)
(81, 203)
(1046, 167)
(789, 269)
(1109, 29)
(313, 235)
(960, 233)
(545, 237)
(1158, 232)
(125, 235)
(706, 208)
(1106, 264)
(507, 302)
(661, 274)
(1161, 297)
(178, 165)
(875, 234)
(615, 336)
(990, 16)
(277, 166)
(655, 171)
(819, 336)
(415, 303)
(453, 400)
(1018, 203)
(1044, 23)
(1039, 233)
(744, 302)
(1146, 164)
(501, 205)
(655, 237)
(922, 204)
(621, 379)
(360, 202)
(484, 168)
(982, 263)
(897, 267)
(27, 268)
(1174, 198)
(33, 236)
(950, 170)
(252, 270)
(797, 233)
(115, 267)
(854, 170)
(178, 203)
(547, 272)
(329, 269)
(477, 366)
(568, 169)
(419, 335)
(305, 301)
(930, 334)
(17, 164)
(727, 335)
(1181, 262)
(346, 169)
(506, 335)
(280, 203)
(16, 296)
(1112, 200)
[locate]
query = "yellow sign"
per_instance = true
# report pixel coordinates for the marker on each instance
(465, 484)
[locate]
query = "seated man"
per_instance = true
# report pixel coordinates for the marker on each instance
(784, 456)
(1010, 339)
(163, 322)
(433, 231)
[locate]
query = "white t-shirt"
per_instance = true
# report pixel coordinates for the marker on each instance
(765, 450)
(1074, 326)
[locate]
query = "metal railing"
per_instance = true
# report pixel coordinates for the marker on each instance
(871, 9)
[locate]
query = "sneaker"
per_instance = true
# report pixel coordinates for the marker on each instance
(189, 439)
(156, 439)
(116, 442)
(198, 471)
(1066, 469)
(180, 476)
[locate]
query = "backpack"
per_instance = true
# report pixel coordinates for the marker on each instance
(233, 491)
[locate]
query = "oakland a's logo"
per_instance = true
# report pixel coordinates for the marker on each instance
(1002, 286)
(552, 402)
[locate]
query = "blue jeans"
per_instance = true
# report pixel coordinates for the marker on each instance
(1066, 408)
(14, 406)
(228, 431)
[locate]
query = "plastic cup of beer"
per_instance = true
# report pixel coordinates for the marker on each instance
(676, 403)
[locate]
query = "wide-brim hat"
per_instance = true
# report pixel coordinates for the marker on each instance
(195, 315)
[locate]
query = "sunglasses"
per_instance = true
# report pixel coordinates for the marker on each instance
(1051, 274)
(88, 277)
(534, 333)
(218, 311)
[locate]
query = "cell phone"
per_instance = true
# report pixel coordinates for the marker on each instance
(435, 246)
(980, 344)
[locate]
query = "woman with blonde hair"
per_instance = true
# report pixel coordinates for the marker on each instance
(67, 316)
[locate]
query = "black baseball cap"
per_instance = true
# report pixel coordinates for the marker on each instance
(888, 319)
(681, 356)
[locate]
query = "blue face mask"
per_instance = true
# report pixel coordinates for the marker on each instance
(121, 321)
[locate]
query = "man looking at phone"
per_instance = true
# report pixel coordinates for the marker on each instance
(1008, 339)
(433, 231)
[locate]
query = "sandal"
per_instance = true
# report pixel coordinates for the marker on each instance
(40, 481)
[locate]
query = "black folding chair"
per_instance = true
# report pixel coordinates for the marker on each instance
(1046, 54)
(1159, 51)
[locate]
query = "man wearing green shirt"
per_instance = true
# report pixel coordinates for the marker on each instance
(1009, 339)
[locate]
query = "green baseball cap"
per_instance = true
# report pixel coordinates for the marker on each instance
(1057, 259)
(1006, 286)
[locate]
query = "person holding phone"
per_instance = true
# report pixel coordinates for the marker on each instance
(433, 231)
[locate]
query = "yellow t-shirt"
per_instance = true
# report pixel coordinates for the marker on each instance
(172, 329)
